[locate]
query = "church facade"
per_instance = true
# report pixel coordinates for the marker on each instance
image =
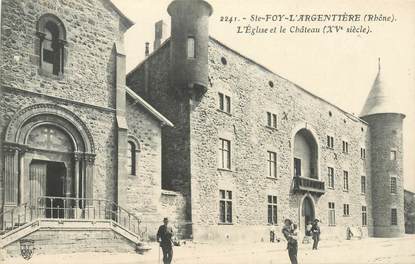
(223, 146)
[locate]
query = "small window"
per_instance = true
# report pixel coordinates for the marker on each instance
(393, 154)
(364, 216)
(363, 153)
(332, 214)
(393, 185)
(191, 52)
(271, 120)
(224, 154)
(272, 164)
(330, 177)
(131, 158)
(363, 184)
(52, 41)
(345, 180)
(394, 216)
(345, 147)
(346, 211)
(224, 103)
(271, 84)
(272, 210)
(330, 142)
(225, 207)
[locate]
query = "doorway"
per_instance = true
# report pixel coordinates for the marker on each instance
(308, 212)
(48, 178)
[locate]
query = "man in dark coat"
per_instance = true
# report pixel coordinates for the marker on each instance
(164, 237)
(315, 231)
(292, 244)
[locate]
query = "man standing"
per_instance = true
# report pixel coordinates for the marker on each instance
(290, 235)
(164, 237)
(315, 231)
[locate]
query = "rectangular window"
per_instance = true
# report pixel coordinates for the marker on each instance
(362, 153)
(224, 103)
(332, 215)
(225, 207)
(393, 184)
(394, 216)
(272, 164)
(346, 210)
(191, 52)
(393, 154)
(272, 210)
(297, 167)
(364, 216)
(363, 184)
(224, 154)
(345, 180)
(345, 147)
(271, 120)
(330, 142)
(330, 172)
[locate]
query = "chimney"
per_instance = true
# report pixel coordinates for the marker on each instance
(147, 52)
(161, 34)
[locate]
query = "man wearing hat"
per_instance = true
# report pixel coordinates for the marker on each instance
(164, 237)
(292, 244)
(315, 231)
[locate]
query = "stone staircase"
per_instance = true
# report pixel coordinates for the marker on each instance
(80, 225)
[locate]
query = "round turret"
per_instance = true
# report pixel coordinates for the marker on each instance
(189, 45)
(386, 150)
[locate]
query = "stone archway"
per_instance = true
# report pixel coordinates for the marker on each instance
(48, 134)
(307, 211)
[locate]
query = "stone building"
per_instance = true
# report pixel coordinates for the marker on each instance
(220, 144)
(81, 152)
(250, 148)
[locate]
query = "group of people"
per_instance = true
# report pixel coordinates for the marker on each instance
(165, 238)
(291, 235)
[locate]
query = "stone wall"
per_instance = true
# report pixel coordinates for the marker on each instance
(92, 28)
(142, 191)
(151, 81)
(252, 95)
(73, 241)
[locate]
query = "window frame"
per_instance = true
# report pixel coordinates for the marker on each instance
(272, 120)
(364, 215)
(346, 210)
(363, 184)
(332, 214)
(225, 154)
(224, 103)
(272, 207)
(345, 148)
(272, 164)
(193, 55)
(330, 142)
(330, 177)
(394, 216)
(393, 185)
(225, 207)
(345, 180)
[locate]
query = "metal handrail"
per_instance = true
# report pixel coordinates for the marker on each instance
(70, 208)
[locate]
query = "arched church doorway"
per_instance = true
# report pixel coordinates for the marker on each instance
(307, 214)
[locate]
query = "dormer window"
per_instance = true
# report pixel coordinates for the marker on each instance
(52, 41)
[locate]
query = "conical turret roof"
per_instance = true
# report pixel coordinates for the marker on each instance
(379, 100)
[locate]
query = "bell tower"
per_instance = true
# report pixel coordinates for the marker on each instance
(386, 152)
(189, 46)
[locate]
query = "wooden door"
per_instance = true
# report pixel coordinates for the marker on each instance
(37, 181)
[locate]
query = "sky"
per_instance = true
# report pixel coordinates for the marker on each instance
(338, 67)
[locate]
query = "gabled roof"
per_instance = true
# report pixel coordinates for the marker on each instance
(164, 121)
(126, 21)
(379, 100)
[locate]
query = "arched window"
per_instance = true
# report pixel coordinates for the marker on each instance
(131, 158)
(52, 41)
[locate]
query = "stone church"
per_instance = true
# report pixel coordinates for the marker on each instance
(92, 158)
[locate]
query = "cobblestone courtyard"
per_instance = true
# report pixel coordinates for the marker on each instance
(371, 250)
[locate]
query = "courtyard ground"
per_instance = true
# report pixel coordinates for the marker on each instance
(369, 250)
